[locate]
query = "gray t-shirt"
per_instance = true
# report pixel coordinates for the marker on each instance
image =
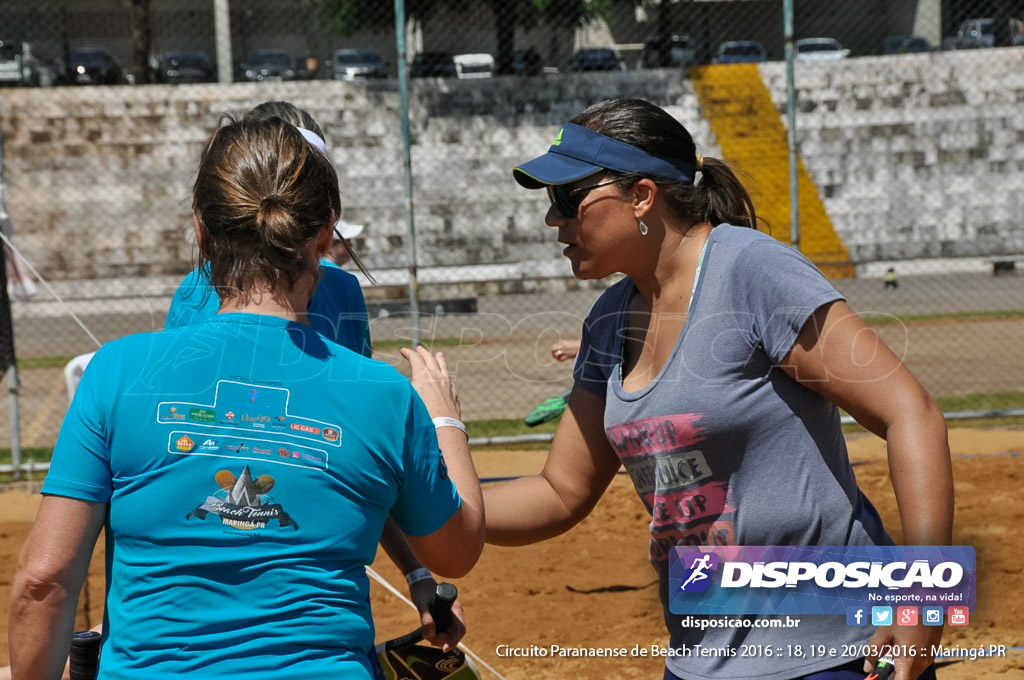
(725, 448)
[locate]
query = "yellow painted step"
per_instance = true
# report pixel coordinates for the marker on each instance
(752, 137)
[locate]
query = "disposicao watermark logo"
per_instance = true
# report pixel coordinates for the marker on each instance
(838, 580)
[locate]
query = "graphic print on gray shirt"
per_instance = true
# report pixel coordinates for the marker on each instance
(724, 448)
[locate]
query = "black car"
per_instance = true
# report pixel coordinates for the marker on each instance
(526, 62)
(906, 44)
(184, 67)
(271, 65)
(596, 59)
(91, 66)
(678, 50)
(433, 65)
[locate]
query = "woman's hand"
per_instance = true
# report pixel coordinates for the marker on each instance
(909, 665)
(422, 593)
(565, 350)
(433, 382)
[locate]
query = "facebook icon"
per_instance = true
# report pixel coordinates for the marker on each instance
(856, 616)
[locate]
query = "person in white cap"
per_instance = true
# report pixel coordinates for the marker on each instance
(20, 286)
(337, 310)
(343, 233)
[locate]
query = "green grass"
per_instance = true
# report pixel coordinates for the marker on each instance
(982, 402)
(43, 362)
(33, 453)
(429, 343)
(509, 427)
(879, 320)
(990, 401)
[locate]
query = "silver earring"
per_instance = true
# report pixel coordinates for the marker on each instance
(643, 227)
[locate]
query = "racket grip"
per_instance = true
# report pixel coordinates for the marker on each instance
(441, 606)
(883, 669)
(85, 655)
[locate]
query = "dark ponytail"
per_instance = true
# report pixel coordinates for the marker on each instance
(723, 196)
(719, 197)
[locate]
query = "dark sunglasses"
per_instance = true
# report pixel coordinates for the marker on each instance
(568, 201)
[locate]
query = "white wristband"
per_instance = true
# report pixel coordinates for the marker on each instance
(445, 421)
(417, 575)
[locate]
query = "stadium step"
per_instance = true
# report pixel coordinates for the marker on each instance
(750, 132)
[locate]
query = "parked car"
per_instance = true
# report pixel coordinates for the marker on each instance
(270, 65)
(976, 33)
(184, 67)
(596, 59)
(527, 62)
(432, 65)
(356, 64)
(680, 52)
(741, 52)
(474, 65)
(819, 49)
(91, 66)
(19, 67)
(906, 44)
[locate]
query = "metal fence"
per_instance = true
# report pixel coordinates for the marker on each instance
(905, 122)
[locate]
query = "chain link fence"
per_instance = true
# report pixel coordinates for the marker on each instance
(907, 123)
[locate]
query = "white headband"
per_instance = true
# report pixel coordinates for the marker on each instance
(314, 139)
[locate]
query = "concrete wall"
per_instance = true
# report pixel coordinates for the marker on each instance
(99, 178)
(915, 156)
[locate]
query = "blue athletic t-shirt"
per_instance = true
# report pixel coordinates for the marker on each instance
(249, 465)
(337, 310)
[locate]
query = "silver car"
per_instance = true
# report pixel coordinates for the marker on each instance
(19, 67)
(356, 64)
(819, 49)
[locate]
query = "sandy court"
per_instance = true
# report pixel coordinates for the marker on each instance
(593, 587)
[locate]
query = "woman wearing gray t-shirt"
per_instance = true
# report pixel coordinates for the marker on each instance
(714, 372)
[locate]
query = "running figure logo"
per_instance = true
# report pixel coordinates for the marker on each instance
(698, 572)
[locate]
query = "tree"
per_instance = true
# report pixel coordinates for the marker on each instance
(348, 16)
(142, 41)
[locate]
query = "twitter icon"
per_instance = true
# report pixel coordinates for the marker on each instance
(881, 616)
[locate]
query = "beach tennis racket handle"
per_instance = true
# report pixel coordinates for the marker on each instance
(85, 655)
(441, 606)
(883, 669)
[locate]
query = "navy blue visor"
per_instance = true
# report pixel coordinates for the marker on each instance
(578, 152)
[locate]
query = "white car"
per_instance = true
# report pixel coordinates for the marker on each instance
(819, 49)
(19, 67)
(474, 65)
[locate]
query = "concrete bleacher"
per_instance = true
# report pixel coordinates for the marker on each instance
(917, 155)
(913, 156)
(99, 177)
